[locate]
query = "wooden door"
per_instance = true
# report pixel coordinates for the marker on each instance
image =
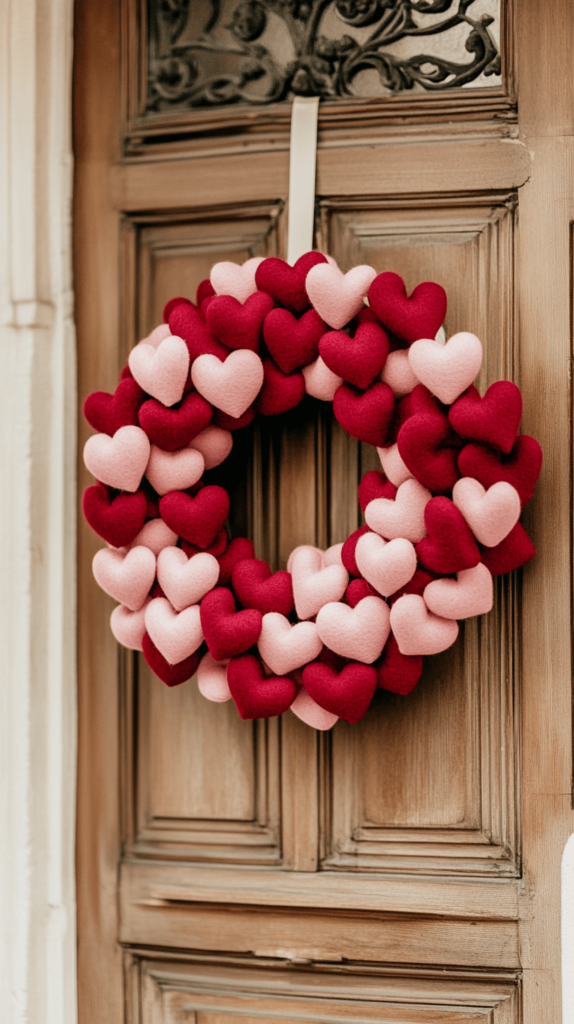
(405, 868)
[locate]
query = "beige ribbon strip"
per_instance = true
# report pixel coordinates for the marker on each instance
(302, 164)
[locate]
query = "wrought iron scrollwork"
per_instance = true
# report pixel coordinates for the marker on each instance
(206, 53)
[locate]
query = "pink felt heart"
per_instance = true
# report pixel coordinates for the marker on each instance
(161, 371)
(311, 713)
(155, 535)
(447, 370)
(332, 556)
(158, 335)
(393, 465)
(359, 633)
(126, 576)
(231, 386)
(174, 471)
(129, 627)
(184, 580)
(175, 634)
(403, 516)
(399, 374)
(119, 461)
(285, 647)
(418, 315)
(301, 547)
(491, 514)
(212, 679)
(469, 594)
(419, 631)
(231, 279)
(386, 565)
(215, 444)
(313, 585)
(320, 381)
(338, 297)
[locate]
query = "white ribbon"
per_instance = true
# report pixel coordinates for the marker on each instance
(302, 164)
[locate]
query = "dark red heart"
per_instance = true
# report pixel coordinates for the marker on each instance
(216, 548)
(256, 586)
(375, 485)
(151, 497)
(403, 411)
(293, 342)
(173, 304)
(107, 413)
(223, 419)
(450, 545)
(238, 549)
(515, 550)
(186, 322)
(398, 672)
(280, 391)
(117, 519)
(357, 590)
(357, 360)
(493, 419)
(427, 443)
(239, 325)
(173, 428)
(255, 694)
(521, 467)
(365, 415)
(348, 550)
(205, 290)
(286, 284)
(227, 631)
(171, 675)
(346, 694)
(199, 519)
(418, 315)
(416, 585)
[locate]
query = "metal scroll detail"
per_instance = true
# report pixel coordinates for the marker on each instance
(208, 53)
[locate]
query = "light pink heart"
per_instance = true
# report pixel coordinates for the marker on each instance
(155, 535)
(231, 385)
(309, 712)
(338, 297)
(212, 679)
(359, 633)
(469, 594)
(174, 471)
(214, 443)
(320, 381)
(302, 547)
(393, 465)
(119, 461)
(398, 373)
(284, 647)
(402, 516)
(158, 335)
(418, 631)
(184, 580)
(315, 585)
(387, 566)
(175, 634)
(447, 370)
(126, 576)
(129, 627)
(491, 514)
(332, 556)
(231, 279)
(161, 371)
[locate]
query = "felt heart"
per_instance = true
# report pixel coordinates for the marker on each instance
(373, 485)
(286, 284)
(293, 343)
(301, 547)
(398, 672)
(117, 519)
(450, 545)
(399, 374)
(403, 409)
(359, 633)
(313, 585)
(493, 419)
(357, 360)
(416, 585)
(126, 576)
(349, 548)
(171, 675)
(228, 278)
(447, 370)
(225, 422)
(231, 385)
(212, 679)
(418, 315)
(118, 461)
(521, 467)
(175, 634)
(285, 647)
(419, 631)
(338, 297)
(426, 445)
(393, 465)
(159, 333)
(198, 519)
(256, 695)
(174, 471)
(357, 590)
(162, 371)
(236, 325)
(309, 712)
(403, 516)
(216, 548)
(386, 565)
(155, 535)
(256, 587)
(365, 415)
(332, 556)
(320, 381)
(227, 631)
(214, 444)
(186, 322)
(107, 413)
(169, 308)
(514, 551)
(184, 580)
(171, 429)
(238, 549)
(280, 391)
(128, 627)
(469, 594)
(346, 694)
(491, 514)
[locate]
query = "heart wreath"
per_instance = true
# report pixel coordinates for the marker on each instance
(441, 518)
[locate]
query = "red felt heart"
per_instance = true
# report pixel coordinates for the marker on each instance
(186, 322)
(126, 373)
(107, 413)
(375, 485)
(205, 290)
(493, 419)
(199, 519)
(418, 315)
(216, 548)
(358, 360)
(357, 590)
(365, 415)
(117, 519)
(172, 304)
(227, 631)
(515, 550)
(280, 391)
(257, 695)
(427, 443)
(256, 587)
(450, 545)
(416, 585)
(239, 325)
(398, 672)
(238, 549)
(346, 694)
(348, 550)
(171, 675)
(293, 342)
(403, 410)
(521, 467)
(175, 427)
(286, 284)
(152, 499)
(223, 419)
